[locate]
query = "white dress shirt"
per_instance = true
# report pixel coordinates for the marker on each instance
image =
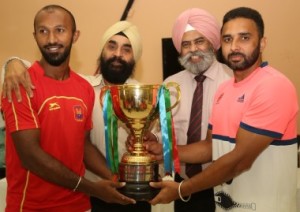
(215, 75)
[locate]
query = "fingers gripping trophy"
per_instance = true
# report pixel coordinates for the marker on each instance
(138, 106)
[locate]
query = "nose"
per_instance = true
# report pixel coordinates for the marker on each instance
(118, 52)
(52, 37)
(234, 45)
(193, 47)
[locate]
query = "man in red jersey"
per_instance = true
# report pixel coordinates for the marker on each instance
(48, 142)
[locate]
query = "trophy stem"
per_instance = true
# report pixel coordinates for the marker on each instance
(138, 147)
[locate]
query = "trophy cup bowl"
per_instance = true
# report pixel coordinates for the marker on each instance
(135, 105)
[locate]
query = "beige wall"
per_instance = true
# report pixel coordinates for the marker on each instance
(154, 19)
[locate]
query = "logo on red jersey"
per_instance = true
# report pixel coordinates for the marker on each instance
(78, 113)
(54, 106)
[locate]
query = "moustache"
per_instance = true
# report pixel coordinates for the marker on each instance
(236, 54)
(197, 53)
(117, 59)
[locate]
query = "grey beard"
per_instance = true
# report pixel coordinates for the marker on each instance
(197, 68)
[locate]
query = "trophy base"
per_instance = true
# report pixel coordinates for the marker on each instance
(138, 170)
(139, 191)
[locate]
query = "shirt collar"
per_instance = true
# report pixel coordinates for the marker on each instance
(211, 72)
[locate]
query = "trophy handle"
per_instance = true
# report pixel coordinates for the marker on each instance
(115, 101)
(178, 96)
(168, 85)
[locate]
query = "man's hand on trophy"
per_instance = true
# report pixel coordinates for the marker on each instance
(155, 149)
(107, 191)
(129, 143)
(16, 74)
(153, 146)
(168, 192)
(148, 137)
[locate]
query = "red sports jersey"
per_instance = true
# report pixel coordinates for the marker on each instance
(62, 112)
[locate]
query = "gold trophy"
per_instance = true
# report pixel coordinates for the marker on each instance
(137, 106)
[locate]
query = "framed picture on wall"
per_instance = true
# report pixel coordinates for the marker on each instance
(170, 58)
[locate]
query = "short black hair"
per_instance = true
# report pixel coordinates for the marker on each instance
(246, 12)
(53, 7)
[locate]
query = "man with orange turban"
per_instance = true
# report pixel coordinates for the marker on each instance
(196, 36)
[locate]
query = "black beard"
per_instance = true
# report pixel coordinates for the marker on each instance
(248, 61)
(55, 59)
(116, 75)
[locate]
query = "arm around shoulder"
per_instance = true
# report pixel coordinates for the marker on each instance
(14, 73)
(25, 63)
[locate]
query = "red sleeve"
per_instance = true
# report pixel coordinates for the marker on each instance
(90, 107)
(20, 115)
